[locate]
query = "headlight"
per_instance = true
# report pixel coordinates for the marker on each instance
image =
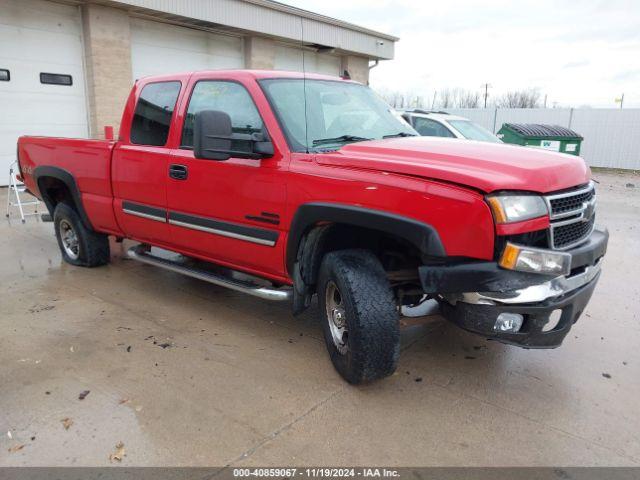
(534, 260)
(516, 208)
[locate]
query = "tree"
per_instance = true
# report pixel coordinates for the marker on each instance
(529, 98)
(446, 98)
(402, 100)
(458, 98)
(469, 99)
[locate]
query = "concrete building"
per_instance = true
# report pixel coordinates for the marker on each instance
(66, 67)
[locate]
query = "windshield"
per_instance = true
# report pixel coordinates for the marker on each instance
(473, 131)
(336, 113)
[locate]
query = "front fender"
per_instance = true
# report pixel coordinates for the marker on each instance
(420, 234)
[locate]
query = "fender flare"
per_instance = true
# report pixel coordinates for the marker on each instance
(46, 171)
(420, 234)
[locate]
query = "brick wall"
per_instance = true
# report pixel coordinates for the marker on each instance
(107, 45)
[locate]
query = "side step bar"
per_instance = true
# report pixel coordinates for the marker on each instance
(142, 254)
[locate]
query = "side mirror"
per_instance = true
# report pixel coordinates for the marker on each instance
(262, 143)
(213, 136)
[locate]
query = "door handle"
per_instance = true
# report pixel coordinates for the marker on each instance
(178, 172)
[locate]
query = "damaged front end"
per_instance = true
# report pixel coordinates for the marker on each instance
(531, 295)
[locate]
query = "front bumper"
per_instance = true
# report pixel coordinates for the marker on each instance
(475, 294)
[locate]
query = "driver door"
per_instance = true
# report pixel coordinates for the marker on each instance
(227, 211)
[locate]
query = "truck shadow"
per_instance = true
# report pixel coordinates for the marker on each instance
(430, 345)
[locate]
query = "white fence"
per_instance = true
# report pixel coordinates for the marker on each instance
(611, 136)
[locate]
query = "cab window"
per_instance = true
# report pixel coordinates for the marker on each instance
(430, 128)
(152, 117)
(229, 97)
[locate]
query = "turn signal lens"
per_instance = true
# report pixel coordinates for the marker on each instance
(509, 256)
(535, 260)
(498, 211)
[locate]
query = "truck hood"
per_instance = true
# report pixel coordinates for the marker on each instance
(485, 166)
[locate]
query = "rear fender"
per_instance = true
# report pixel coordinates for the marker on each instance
(40, 176)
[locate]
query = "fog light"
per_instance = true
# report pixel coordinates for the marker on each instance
(508, 322)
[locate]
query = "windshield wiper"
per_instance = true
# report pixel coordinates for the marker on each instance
(340, 139)
(400, 134)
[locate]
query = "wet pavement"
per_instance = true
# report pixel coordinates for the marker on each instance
(185, 373)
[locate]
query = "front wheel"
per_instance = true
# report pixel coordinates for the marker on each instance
(361, 320)
(78, 244)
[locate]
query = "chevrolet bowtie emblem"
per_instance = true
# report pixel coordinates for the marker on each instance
(588, 209)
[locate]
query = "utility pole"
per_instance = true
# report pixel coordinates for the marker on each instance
(486, 93)
(545, 100)
(433, 102)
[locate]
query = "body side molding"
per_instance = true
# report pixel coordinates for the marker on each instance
(260, 236)
(144, 211)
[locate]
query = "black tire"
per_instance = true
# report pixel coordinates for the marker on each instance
(372, 320)
(92, 247)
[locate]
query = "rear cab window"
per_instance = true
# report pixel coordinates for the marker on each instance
(152, 117)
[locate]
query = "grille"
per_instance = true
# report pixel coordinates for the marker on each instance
(572, 216)
(572, 233)
(570, 202)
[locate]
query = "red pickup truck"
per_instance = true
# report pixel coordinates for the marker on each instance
(284, 185)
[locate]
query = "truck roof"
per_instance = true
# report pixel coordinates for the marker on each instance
(243, 73)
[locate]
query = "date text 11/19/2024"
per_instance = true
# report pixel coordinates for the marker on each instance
(322, 472)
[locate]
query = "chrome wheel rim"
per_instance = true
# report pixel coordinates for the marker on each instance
(337, 317)
(69, 239)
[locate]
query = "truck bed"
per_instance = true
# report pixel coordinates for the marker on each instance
(88, 162)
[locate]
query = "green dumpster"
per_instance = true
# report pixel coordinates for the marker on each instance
(547, 137)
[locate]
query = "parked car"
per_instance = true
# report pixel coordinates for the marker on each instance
(310, 185)
(441, 124)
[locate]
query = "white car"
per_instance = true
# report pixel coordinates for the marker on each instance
(442, 124)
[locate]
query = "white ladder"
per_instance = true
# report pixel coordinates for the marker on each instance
(15, 190)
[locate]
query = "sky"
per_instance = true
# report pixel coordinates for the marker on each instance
(578, 53)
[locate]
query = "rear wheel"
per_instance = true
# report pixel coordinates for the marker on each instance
(361, 321)
(78, 244)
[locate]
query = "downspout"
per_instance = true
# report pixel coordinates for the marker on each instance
(371, 67)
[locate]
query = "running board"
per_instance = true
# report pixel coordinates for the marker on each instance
(142, 254)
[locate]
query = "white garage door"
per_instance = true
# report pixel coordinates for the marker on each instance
(38, 37)
(157, 48)
(291, 58)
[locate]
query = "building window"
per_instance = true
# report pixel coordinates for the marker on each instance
(56, 79)
(152, 118)
(5, 75)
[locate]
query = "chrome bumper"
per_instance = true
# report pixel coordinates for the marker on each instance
(548, 306)
(553, 288)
